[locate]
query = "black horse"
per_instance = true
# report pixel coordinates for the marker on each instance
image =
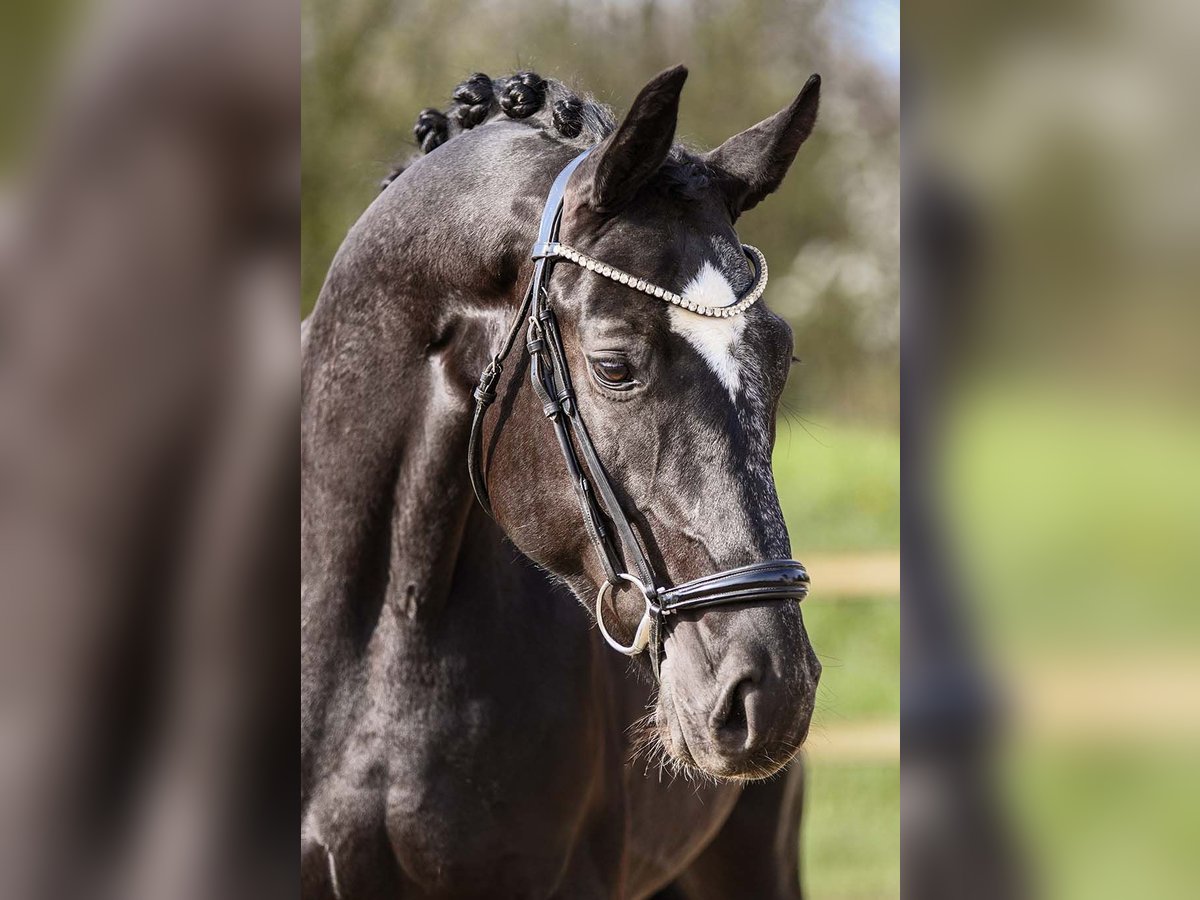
(465, 731)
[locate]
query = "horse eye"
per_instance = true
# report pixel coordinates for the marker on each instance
(612, 372)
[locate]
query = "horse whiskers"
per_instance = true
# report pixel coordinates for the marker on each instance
(644, 739)
(647, 746)
(651, 748)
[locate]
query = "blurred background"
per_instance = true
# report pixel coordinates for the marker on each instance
(832, 235)
(1052, 440)
(149, 279)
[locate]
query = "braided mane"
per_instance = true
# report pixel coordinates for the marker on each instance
(547, 105)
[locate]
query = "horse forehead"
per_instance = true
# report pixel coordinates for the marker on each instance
(718, 341)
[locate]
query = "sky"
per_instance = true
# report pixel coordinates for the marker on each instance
(874, 25)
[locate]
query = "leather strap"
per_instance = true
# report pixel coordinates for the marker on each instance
(777, 579)
(551, 381)
(485, 392)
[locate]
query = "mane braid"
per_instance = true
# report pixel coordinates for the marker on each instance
(552, 108)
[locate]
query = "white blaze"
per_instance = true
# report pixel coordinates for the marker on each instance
(714, 339)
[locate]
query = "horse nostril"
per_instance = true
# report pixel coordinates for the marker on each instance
(730, 721)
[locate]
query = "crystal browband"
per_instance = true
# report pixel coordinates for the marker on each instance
(557, 250)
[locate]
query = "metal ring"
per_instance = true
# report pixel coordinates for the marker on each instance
(641, 638)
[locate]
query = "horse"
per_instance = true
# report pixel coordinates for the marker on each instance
(465, 731)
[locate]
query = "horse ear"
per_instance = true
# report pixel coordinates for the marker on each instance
(756, 160)
(634, 152)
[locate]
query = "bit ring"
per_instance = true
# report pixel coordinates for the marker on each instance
(641, 637)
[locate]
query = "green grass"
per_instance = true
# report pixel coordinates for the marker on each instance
(839, 486)
(1075, 513)
(851, 832)
(851, 838)
(1104, 822)
(858, 642)
(1093, 503)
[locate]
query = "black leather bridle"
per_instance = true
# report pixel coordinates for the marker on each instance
(777, 579)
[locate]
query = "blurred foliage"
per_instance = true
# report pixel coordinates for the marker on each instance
(32, 35)
(1067, 134)
(832, 232)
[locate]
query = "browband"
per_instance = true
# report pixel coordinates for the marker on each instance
(559, 250)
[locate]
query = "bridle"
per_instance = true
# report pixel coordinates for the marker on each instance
(776, 580)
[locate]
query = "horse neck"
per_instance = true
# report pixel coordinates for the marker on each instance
(412, 307)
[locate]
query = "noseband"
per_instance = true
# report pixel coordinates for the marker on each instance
(775, 580)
